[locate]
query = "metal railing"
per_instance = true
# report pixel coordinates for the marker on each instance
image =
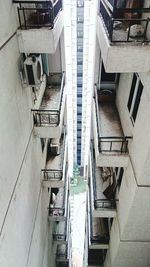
(119, 29)
(116, 144)
(105, 204)
(36, 14)
(51, 175)
(113, 144)
(59, 237)
(44, 117)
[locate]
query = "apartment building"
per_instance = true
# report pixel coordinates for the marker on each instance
(117, 219)
(34, 178)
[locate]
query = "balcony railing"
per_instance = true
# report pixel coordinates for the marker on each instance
(110, 144)
(50, 175)
(44, 117)
(37, 14)
(105, 204)
(119, 27)
(59, 237)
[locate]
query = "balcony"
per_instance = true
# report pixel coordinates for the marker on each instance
(61, 230)
(98, 231)
(40, 25)
(56, 168)
(102, 183)
(63, 256)
(111, 145)
(124, 36)
(59, 203)
(48, 117)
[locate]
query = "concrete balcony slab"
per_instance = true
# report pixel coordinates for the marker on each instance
(49, 115)
(56, 168)
(110, 143)
(122, 57)
(40, 26)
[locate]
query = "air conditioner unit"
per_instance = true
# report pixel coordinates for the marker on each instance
(33, 70)
(55, 147)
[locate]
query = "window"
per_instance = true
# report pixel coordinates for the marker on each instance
(79, 48)
(79, 94)
(43, 141)
(79, 100)
(80, 34)
(135, 97)
(119, 174)
(79, 74)
(79, 18)
(80, 3)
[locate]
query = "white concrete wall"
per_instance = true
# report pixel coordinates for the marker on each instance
(54, 60)
(129, 253)
(46, 253)
(7, 21)
(97, 62)
(133, 208)
(18, 233)
(139, 148)
(16, 123)
(62, 49)
(23, 203)
(40, 231)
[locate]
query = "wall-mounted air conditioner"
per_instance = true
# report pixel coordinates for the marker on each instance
(33, 70)
(55, 147)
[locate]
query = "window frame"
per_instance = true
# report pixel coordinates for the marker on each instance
(135, 97)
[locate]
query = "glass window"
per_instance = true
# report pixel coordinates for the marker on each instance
(135, 97)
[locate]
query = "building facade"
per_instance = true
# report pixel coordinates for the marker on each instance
(34, 180)
(117, 219)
